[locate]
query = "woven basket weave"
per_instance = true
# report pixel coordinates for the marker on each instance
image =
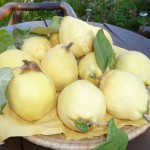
(59, 142)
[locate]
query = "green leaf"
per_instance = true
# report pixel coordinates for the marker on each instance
(55, 25)
(41, 30)
(5, 76)
(52, 28)
(82, 125)
(112, 61)
(103, 51)
(6, 40)
(116, 138)
(19, 35)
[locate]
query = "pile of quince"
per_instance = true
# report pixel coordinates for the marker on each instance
(62, 71)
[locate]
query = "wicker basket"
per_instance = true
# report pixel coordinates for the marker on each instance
(59, 142)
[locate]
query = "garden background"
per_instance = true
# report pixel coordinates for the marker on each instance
(123, 13)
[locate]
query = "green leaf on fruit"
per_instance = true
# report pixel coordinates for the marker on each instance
(116, 138)
(41, 30)
(104, 52)
(6, 40)
(52, 28)
(19, 35)
(55, 25)
(5, 76)
(111, 62)
(82, 125)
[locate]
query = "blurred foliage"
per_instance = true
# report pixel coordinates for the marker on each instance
(123, 13)
(126, 14)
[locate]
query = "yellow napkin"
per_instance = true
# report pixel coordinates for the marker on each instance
(70, 134)
(12, 125)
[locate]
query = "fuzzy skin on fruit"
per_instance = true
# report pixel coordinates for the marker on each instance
(81, 100)
(135, 62)
(88, 66)
(31, 95)
(119, 50)
(125, 94)
(54, 39)
(79, 32)
(61, 65)
(36, 46)
(13, 58)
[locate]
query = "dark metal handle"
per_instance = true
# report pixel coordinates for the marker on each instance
(11, 7)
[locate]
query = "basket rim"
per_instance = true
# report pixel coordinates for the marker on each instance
(59, 141)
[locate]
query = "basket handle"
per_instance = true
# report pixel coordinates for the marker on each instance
(17, 8)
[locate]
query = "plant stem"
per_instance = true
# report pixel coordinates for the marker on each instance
(30, 65)
(146, 117)
(69, 45)
(92, 75)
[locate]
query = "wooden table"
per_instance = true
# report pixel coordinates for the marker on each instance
(122, 38)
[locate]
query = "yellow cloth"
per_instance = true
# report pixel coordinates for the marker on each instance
(12, 125)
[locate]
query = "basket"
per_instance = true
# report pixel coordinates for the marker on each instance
(57, 141)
